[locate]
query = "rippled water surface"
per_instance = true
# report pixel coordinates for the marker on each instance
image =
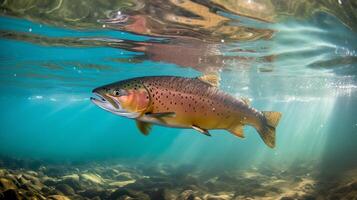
(295, 57)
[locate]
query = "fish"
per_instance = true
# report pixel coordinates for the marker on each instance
(184, 102)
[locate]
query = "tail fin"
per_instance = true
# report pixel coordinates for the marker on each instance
(267, 130)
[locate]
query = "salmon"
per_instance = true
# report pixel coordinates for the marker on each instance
(180, 102)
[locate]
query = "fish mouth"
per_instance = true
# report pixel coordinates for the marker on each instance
(112, 105)
(105, 102)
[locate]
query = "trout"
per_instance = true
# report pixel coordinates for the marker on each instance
(180, 102)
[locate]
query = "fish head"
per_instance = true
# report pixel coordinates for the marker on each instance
(125, 98)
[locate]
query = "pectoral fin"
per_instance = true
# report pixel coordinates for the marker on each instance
(203, 131)
(160, 116)
(237, 130)
(144, 127)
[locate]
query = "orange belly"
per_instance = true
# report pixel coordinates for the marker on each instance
(205, 118)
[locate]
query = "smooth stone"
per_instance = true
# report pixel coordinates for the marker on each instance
(65, 189)
(22, 180)
(110, 173)
(58, 197)
(94, 178)
(123, 176)
(49, 181)
(41, 197)
(45, 190)
(31, 178)
(3, 172)
(73, 183)
(121, 183)
(218, 197)
(32, 173)
(12, 178)
(242, 197)
(34, 184)
(37, 184)
(71, 176)
(6, 184)
(187, 195)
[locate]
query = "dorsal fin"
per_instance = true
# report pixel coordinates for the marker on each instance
(212, 79)
(246, 100)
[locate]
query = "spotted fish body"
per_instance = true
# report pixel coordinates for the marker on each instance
(194, 103)
(188, 103)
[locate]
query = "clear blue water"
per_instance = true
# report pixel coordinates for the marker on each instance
(305, 68)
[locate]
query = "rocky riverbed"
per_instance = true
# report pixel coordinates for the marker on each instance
(36, 180)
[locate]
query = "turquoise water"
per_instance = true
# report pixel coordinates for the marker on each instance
(46, 110)
(304, 67)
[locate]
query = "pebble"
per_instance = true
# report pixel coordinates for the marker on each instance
(71, 176)
(65, 189)
(6, 184)
(121, 183)
(3, 172)
(94, 178)
(58, 197)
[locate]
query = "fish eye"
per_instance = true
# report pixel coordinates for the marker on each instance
(116, 92)
(119, 92)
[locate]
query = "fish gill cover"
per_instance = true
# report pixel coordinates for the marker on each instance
(294, 57)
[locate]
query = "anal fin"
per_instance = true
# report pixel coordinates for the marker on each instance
(237, 130)
(203, 131)
(144, 127)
